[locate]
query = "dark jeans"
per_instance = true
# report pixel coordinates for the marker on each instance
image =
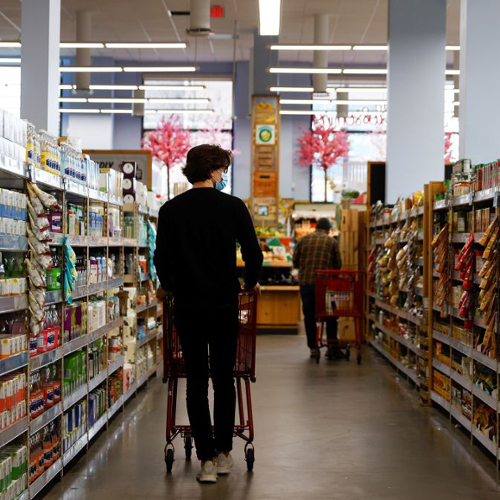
(204, 330)
(308, 295)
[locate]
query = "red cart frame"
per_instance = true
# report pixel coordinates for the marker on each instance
(339, 294)
(244, 373)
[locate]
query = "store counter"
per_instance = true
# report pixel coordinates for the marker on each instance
(278, 310)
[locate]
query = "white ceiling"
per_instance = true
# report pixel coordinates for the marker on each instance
(352, 22)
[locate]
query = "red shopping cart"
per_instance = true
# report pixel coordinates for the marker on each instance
(339, 294)
(244, 373)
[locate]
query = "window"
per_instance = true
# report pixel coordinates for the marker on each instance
(10, 89)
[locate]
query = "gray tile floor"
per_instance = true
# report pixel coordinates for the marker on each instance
(333, 431)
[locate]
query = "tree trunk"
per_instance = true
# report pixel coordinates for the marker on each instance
(326, 185)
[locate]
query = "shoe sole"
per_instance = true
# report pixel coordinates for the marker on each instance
(224, 471)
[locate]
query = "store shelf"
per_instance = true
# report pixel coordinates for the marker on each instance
(485, 397)
(461, 418)
(74, 345)
(460, 379)
(485, 195)
(446, 370)
(97, 242)
(144, 307)
(13, 304)
(96, 334)
(13, 363)
(75, 188)
(98, 196)
(398, 338)
(53, 297)
(116, 406)
(14, 430)
(402, 368)
(23, 496)
(115, 283)
(97, 380)
(76, 240)
(81, 291)
(129, 242)
(46, 179)
(465, 199)
(115, 365)
(440, 205)
(278, 288)
(98, 426)
(115, 241)
(484, 360)
(115, 200)
(45, 418)
(13, 243)
(56, 239)
(95, 288)
(441, 401)
(45, 358)
(487, 443)
(45, 478)
(131, 390)
(398, 312)
(459, 237)
(148, 338)
(75, 449)
(70, 400)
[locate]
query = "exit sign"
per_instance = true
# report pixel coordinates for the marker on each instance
(216, 11)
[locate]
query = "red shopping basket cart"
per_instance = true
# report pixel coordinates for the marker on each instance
(339, 294)
(244, 373)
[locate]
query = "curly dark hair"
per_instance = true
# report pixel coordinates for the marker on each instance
(202, 160)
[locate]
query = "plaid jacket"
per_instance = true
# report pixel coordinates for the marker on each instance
(314, 252)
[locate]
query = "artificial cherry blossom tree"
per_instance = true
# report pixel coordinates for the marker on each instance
(169, 143)
(448, 149)
(322, 145)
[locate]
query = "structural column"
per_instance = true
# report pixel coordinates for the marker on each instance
(261, 59)
(479, 76)
(41, 20)
(416, 80)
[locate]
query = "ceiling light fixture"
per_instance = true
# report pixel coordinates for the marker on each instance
(370, 47)
(91, 69)
(81, 45)
(145, 45)
(158, 69)
(126, 100)
(67, 86)
(328, 71)
(173, 100)
(452, 72)
(178, 111)
(73, 99)
(78, 110)
(117, 111)
(453, 47)
(10, 60)
(113, 87)
(269, 17)
(306, 46)
(367, 90)
(332, 101)
(172, 87)
(367, 71)
(291, 89)
(10, 45)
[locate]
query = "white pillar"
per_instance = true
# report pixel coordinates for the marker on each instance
(321, 28)
(41, 20)
(479, 77)
(415, 80)
(83, 34)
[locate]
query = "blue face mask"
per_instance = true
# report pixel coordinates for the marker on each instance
(220, 185)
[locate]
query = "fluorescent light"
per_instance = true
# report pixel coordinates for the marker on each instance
(67, 87)
(10, 45)
(81, 45)
(331, 101)
(453, 47)
(310, 112)
(90, 69)
(367, 71)
(297, 112)
(349, 90)
(78, 110)
(269, 17)
(73, 99)
(456, 103)
(315, 71)
(452, 72)
(158, 69)
(172, 87)
(10, 60)
(113, 87)
(306, 46)
(178, 111)
(173, 100)
(127, 100)
(291, 89)
(117, 111)
(370, 47)
(146, 45)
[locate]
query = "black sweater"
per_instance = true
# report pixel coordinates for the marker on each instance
(195, 255)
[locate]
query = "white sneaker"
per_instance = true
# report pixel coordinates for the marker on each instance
(224, 463)
(208, 472)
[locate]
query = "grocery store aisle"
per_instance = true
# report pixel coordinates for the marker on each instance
(333, 431)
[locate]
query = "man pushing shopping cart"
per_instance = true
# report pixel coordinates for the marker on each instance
(195, 260)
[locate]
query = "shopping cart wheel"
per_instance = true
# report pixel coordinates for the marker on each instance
(250, 458)
(169, 459)
(348, 354)
(359, 359)
(188, 446)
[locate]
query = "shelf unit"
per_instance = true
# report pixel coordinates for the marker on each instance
(399, 334)
(462, 376)
(15, 176)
